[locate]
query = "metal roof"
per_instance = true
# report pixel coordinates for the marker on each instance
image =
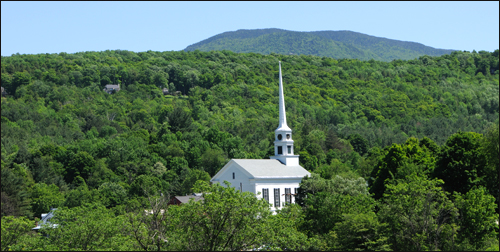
(112, 86)
(185, 199)
(45, 219)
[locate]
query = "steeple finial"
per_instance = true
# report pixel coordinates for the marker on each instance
(282, 119)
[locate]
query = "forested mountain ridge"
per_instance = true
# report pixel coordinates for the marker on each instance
(419, 132)
(335, 44)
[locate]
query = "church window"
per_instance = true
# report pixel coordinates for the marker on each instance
(265, 194)
(241, 187)
(288, 195)
(296, 190)
(233, 175)
(287, 136)
(280, 150)
(280, 137)
(289, 149)
(276, 197)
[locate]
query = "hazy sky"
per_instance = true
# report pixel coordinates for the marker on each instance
(53, 27)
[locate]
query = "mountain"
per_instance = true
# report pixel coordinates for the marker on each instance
(335, 44)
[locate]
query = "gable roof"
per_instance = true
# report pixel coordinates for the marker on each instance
(185, 199)
(176, 200)
(266, 168)
(117, 86)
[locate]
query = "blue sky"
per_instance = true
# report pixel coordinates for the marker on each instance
(53, 27)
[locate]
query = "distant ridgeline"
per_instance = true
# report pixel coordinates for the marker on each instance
(335, 44)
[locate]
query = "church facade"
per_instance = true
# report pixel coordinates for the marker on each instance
(276, 179)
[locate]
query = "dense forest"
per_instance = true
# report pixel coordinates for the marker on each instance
(334, 44)
(404, 154)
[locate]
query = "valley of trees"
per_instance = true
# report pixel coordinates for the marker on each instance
(404, 154)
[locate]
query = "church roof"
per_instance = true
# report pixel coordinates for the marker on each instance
(269, 168)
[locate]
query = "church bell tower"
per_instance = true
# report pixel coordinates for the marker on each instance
(283, 143)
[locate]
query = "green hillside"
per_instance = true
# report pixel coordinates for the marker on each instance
(335, 44)
(404, 154)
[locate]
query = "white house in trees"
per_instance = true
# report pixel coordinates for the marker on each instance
(277, 179)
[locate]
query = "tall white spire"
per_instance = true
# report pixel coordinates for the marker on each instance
(283, 143)
(282, 121)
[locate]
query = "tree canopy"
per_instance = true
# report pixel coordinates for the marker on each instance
(379, 138)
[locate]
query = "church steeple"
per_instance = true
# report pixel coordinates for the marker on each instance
(283, 143)
(282, 122)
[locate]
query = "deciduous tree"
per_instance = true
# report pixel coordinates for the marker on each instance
(419, 214)
(225, 219)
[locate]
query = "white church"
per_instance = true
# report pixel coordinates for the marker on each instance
(276, 179)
